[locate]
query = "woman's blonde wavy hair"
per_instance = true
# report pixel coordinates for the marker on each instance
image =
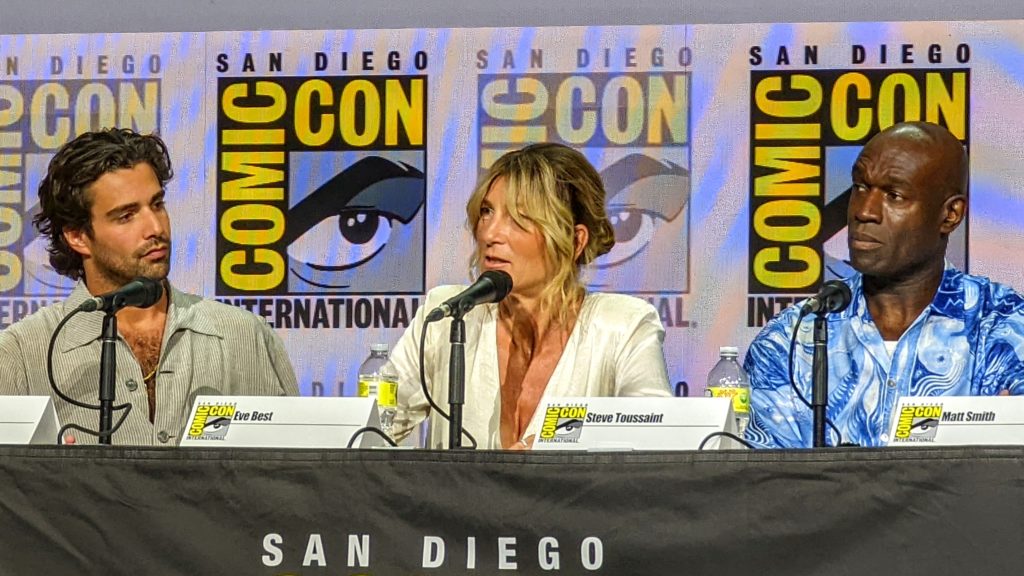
(554, 188)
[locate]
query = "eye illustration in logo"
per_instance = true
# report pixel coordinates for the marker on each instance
(215, 424)
(646, 204)
(38, 276)
(923, 425)
(360, 231)
(568, 426)
(216, 428)
(924, 428)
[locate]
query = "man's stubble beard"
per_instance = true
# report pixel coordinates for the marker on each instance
(120, 271)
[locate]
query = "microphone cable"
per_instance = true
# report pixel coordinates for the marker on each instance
(377, 431)
(727, 435)
(127, 407)
(426, 393)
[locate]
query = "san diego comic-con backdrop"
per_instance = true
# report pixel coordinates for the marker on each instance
(321, 176)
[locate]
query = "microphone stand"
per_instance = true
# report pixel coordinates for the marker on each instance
(819, 378)
(456, 378)
(108, 373)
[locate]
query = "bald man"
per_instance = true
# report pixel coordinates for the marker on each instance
(916, 326)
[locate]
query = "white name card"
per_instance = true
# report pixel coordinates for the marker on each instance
(27, 420)
(281, 422)
(957, 420)
(594, 423)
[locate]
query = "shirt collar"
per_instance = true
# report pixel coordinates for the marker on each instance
(190, 312)
(948, 301)
(184, 313)
(85, 327)
(950, 298)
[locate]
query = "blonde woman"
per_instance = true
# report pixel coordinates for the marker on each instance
(539, 215)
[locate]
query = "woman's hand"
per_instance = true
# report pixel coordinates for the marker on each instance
(524, 444)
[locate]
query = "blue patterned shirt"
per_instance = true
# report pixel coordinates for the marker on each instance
(968, 341)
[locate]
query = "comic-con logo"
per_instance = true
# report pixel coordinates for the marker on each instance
(211, 421)
(36, 118)
(321, 185)
(918, 423)
(634, 128)
(563, 423)
(806, 129)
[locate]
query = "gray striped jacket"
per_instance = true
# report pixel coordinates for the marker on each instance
(208, 348)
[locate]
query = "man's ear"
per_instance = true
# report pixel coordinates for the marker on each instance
(953, 210)
(78, 240)
(581, 235)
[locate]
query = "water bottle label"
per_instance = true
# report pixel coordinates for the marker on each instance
(386, 392)
(740, 397)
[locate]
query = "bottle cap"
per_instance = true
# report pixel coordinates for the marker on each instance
(729, 351)
(378, 347)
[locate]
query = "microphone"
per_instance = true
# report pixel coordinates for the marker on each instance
(142, 293)
(491, 286)
(834, 296)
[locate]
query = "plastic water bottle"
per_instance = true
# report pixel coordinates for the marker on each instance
(727, 379)
(377, 381)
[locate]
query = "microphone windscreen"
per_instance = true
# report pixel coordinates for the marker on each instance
(841, 295)
(153, 289)
(502, 283)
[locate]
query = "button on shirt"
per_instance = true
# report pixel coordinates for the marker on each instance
(968, 341)
(208, 348)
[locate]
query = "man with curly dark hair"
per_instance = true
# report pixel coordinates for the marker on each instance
(104, 214)
(65, 203)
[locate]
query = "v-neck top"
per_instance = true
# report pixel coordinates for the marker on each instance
(615, 349)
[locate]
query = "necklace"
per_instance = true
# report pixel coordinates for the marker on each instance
(167, 307)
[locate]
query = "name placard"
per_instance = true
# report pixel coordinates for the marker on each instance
(594, 423)
(27, 420)
(957, 420)
(281, 422)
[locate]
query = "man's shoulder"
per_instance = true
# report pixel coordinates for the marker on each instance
(224, 317)
(991, 298)
(777, 333)
(228, 311)
(37, 324)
